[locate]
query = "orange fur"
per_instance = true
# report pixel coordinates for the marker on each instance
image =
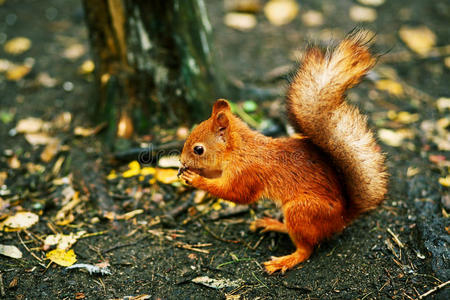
(300, 175)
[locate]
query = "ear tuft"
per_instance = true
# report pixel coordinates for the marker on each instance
(220, 105)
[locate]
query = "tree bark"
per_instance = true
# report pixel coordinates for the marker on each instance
(154, 63)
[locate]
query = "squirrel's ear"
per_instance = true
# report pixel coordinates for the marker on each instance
(221, 121)
(220, 105)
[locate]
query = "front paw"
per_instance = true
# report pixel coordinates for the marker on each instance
(189, 177)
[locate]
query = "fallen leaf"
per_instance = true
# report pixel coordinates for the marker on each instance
(21, 220)
(87, 67)
(249, 6)
(17, 72)
(40, 139)
(62, 241)
(29, 125)
(411, 171)
(312, 18)
(3, 177)
(17, 45)
(166, 176)
(5, 65)
(391, 86)
(6, 116)
(240, 21)
(112, 175)
(447, 62)
(419, 39)
(13, 162)
(281, 12)
(148, 171)
(74, 51)
(62, 257)
(169, 162)
(46, 80)
(362, 14)
(403, 117)
(217, 283)
(10, 251)
(445, 181)
(50, 150)
(390, 137)
(443, 104)
(371, 2)
(125, 127)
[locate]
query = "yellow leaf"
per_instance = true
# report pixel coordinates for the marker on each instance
(62, 257)
(18, 72)
(148, 171)
(281, 12)
(87, 67)
(406, 117)
(134, 165)
(419, 39)
(390, 137)
(112, 175)
(445, 181)
(131, 173)
(17, 45)
(392, 87)
(166, 176)
(216, 206)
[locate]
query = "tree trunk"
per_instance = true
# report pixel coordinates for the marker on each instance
(154, 63)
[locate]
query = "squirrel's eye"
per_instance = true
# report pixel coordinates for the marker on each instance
(199, 150)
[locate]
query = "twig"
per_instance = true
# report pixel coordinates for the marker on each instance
(193, 247)
(436, 288)
(396, 239)
(180, 208)
(2, 288)
(29, 251)
(214, 235)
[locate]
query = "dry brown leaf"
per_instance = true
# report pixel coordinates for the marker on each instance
(17, 45)
(240, 21)
(40, 139)
(62, 241)
(281, 12)
(16, 73)
(21, 220)
(362, 14)
(29, 125)
(125, 127)
(14, 162)
(249, 6)
(50, 150)
(10, 251)
(419, 39)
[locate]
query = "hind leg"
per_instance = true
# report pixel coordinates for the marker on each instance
(306, 228)
(268, 224)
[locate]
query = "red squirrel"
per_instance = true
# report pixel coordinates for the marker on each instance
(323, 178)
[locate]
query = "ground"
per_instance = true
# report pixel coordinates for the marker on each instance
(398, 251)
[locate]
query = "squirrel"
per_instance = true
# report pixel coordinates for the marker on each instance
(322, 178)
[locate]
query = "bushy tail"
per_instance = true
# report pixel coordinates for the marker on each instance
(317, 108)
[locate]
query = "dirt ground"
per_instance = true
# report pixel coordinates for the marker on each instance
(162, 246)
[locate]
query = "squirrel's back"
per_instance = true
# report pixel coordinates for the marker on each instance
(317, 108)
